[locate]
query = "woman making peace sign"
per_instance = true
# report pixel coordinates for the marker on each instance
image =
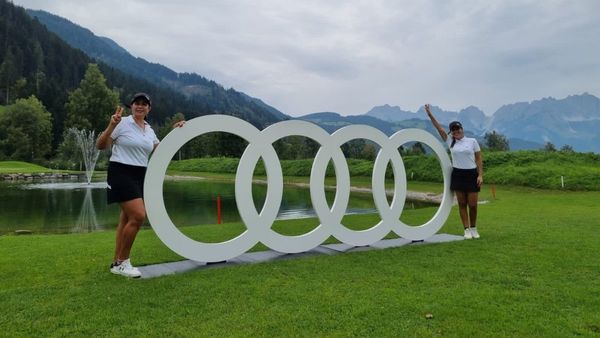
(132, 140)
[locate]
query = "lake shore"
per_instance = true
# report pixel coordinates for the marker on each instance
(428, 197)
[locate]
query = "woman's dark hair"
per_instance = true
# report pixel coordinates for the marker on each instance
(453, 141)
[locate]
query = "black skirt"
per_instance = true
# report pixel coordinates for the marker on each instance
(464, 180)
(125, 182)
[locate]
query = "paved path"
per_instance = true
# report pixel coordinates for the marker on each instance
(157, 270)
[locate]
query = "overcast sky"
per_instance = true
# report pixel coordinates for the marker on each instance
(349, 56)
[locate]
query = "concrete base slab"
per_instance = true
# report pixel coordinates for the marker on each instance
(170, 268)
(362, 248)
(391, 243)
(324, 250)
(162, 269)
(263, 256)
(339, 247)
(442, 238)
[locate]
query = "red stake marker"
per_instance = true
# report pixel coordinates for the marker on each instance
(218, 209)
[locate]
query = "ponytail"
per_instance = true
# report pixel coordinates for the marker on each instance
(453, 142)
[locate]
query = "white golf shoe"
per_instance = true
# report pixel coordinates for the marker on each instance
(126, 269)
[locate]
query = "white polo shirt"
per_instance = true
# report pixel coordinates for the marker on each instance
(132, 145)
(463, 152)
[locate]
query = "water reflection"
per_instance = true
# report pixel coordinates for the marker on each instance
(308, 213)
(87, 222)
(64, 207)
(55, 207)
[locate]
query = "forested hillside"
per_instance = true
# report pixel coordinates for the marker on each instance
(193, 86)
(48, 86)
(35, 61)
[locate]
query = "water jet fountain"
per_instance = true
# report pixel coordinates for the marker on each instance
(86, 140)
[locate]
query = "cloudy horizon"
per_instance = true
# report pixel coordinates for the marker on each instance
(349, 56)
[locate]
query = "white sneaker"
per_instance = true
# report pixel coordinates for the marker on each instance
(468, 234)
(474, 232)
(126, 269)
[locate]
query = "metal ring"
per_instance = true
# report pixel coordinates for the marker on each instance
(386, 154)
(259, 224)
(428, 229)
(153, 190)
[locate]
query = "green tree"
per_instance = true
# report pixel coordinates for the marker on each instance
(40, 68)
(549, 146)
(417, 149)
(369, 152)
(283, 149)
(168, 125)
(353, 148)
(309, 148)
(295, 147)
(188, 150)
(495, 141)
(18, 89)
(90, 105)
(567, 149)
(9, 73)
(26, 131)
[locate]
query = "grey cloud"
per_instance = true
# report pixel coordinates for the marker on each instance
(348, 56)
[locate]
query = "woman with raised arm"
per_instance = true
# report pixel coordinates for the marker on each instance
(132, 140)
(467, 171)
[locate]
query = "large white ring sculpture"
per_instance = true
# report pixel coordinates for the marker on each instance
(259, 224)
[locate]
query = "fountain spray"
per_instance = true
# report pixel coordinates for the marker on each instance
(87, 143)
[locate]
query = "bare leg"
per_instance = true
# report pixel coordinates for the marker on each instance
(120, 227)
(135, 213)
(461, 198)
(472, 201)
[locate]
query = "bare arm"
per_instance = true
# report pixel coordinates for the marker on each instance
(177, 124)
(104, 141)
(435, 123)
(479, 162)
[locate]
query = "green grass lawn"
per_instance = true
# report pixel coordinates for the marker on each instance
(13, 167)
(534, 272)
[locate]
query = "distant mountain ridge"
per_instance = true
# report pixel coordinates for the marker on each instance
(193, 86)
(332, 121)
(390, 113)
(574, 121)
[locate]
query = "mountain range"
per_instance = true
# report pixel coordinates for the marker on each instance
(572, 121)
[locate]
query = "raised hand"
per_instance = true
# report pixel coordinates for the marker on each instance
(428, 108)
(116, 117)
(435, 123)
(179, 124)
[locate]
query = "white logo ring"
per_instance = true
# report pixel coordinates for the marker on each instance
(386, 154)
(259, 225)
(153, 190)
(243, 186)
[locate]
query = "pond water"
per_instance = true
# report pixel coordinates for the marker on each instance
(67, 207)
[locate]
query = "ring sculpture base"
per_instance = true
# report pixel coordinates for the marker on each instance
(157, 270)
(260, 145)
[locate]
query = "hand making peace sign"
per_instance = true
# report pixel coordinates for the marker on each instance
(116, 117)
